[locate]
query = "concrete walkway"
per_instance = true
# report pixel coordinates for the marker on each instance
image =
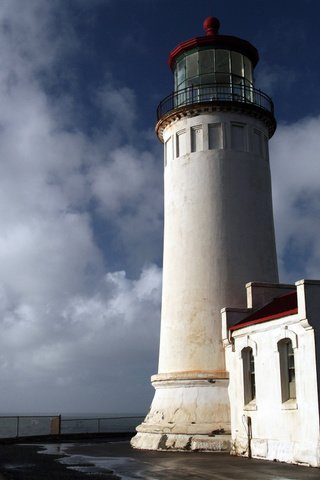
(117, 460)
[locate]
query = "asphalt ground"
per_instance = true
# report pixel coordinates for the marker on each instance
(115, 460)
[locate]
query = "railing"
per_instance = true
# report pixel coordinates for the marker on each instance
(100, 424)
(212, 93)
(25, 425)
(46, 425)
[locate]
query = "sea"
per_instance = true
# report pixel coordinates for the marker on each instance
(15, 426)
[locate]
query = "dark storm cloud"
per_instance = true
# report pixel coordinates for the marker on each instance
(75, 333)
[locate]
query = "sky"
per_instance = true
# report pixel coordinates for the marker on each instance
(81, 184)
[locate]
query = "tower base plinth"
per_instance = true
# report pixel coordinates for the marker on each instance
(190, 411)
(178, 442)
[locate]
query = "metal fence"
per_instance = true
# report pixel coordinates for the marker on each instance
(100, 424)
(25, 426)
(46, 425)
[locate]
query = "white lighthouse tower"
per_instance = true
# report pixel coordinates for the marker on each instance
(218, 233)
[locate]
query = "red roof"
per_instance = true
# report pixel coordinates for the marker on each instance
(279, 307)
(213, 39)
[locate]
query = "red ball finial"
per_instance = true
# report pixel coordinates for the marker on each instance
(211, 25)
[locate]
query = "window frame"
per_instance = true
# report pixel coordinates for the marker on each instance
(249, 380)
(287, 370)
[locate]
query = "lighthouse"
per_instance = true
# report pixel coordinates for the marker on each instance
(218, 231)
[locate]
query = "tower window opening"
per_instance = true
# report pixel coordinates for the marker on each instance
(215, 136)
(181, 146)
(287, 370)
(265, 148)
(196, 139)
(249, 382)
(168, 151)
(238, 140)
(257, 142)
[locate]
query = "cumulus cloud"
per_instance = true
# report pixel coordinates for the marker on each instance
(70, 328)
(76, 333)
(129, 189)
(295, 173)
(271, 78)
(90, 343)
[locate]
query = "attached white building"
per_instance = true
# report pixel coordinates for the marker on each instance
(272, 355)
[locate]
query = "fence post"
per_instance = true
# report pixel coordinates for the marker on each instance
(59, 431)
(18, 421)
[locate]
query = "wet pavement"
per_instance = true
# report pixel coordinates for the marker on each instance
(115, 460)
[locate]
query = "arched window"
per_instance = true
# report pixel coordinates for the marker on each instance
(249, 383)
(287, 369)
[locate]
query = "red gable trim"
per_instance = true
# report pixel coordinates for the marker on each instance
(264, 319)
(279, 307)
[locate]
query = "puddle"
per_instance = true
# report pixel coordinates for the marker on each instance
(53, 448)
(124, 468)
(119, 466)
(19, 466)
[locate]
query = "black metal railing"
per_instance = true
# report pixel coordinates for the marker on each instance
(213, 93)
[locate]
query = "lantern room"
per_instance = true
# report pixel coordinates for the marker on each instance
(213, 59)
(212, 69)
(205, 66)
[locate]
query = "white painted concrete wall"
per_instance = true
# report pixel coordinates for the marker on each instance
(218, 235)
(286, 431)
